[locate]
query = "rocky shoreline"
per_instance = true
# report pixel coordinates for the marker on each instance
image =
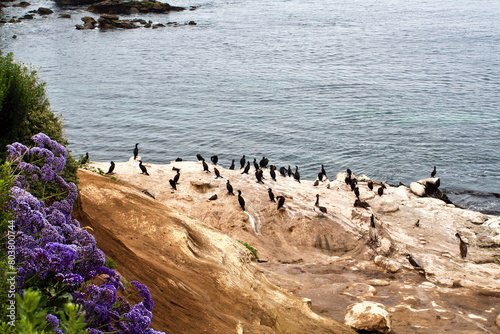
(328, 258)
(109, 10)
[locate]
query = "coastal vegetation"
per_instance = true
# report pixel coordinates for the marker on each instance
(53, 277)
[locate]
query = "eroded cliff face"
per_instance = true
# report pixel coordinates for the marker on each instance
(184, 246)
(202, 281)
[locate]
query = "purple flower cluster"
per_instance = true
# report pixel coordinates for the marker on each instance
(52, 247)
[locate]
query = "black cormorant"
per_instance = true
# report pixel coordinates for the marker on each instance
(205, 166)
(247, 168)
(373, 230)
(259, 174)
(272, 172)
(217, 173)
(232, 165)
(271, 195)
(463, 247)
(296, 175)
(111, 168)
(200, 158)
(281, 201)
(283, 171)
(433, 173)
(370, 184)
(176, 177)
(380, 190)
(172, 184)
(241, 200)
(242, 162)
(136, 151)
(356, 192)
(323, 172)
(229, 188)
(214, 159)
(143, 168)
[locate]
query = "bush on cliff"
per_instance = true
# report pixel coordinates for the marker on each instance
(25, 111)
(55, 270)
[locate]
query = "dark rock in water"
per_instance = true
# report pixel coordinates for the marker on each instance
(89, 23)
(21, 4)
(27, 17)
(158, 25)
(44, 11)
(64, 16)
(132, 7)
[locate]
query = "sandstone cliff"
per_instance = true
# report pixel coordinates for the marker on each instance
(183, 246)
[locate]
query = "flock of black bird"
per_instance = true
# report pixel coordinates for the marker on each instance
(350, 180)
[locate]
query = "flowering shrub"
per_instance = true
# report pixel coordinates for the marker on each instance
(58, 258)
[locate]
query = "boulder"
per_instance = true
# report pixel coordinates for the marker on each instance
(89, 23)
(497, 321)
(129, 7)
(64, 16)
(44, 11)
(22, 4)
(393, 266)
(368, 316)
(417, 188)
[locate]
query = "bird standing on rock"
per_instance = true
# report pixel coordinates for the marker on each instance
(214, 159)
(143, 168)
(316, 205)
(247, 168)
(370, 184)
(373, 230)
(296, 175)
(255, 164)
(217, 173)
(177, 176)
(229, 188)
(272, 172)
(136, 151)
(259, 175)
(242, 162)
(271, 195)
(356, 192)
(283, 171)
(232, 165)
(433, 173)
(172, 184)
(414, 262)
(85, 159)
(205, 166)
(263, 163)
(323, 172)
(241, 200)
(380, 190)
(111, 168)
(200, 158)
(463, 247)
(281, 202)
(289, 171)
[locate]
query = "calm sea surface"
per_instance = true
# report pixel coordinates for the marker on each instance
(385, 88)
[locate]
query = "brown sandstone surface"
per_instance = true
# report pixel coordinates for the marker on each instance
(184, 247)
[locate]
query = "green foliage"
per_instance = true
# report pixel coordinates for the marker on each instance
(6, 271)
(250, 248)
(73, 320)
(25, 111)
(109, 263)
(31, 316)
(32, 312)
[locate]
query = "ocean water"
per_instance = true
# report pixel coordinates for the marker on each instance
(386, 88)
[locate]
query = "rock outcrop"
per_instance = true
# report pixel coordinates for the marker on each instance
(368, 316)
(327, 258)
(132, 7)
